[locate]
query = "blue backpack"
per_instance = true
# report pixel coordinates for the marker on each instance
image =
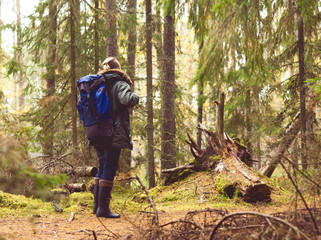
(94, 108)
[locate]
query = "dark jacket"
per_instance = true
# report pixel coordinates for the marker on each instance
(122, 98)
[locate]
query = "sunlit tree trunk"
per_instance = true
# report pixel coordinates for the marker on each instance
(168, 126)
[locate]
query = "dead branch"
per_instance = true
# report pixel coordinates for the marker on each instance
(301, 196)
(54, 161)
(89, 232)
(114, 234)
(256, 214)
(172, 170)
(148, 195)
(302, 173)
(180, 221)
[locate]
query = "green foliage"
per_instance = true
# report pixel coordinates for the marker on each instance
(16, 176)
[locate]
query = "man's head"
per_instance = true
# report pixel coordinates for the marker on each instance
(110, 63)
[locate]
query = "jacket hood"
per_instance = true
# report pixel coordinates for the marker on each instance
(121, 73)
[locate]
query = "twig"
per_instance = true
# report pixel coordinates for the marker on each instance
(72, 217)
(245, 227)
(148, 195)
(302, 173)
(89, 232)
(56, 160)
(180, 221)
(299, 192)
(114, 234)
(256, 214)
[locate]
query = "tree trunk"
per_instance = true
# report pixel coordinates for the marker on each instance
(149, 89)
(159, 43)
(302, 89)
(126, 154)
(19, 56)
(96, 37)
(220, 120)
(48, 127)
(73, 98)
(111, 16)
(200, 102)
(168, 128)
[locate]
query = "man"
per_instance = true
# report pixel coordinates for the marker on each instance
(121, 99)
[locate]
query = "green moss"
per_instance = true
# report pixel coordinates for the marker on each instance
(12, 204)
(225, 186)
(179, 176)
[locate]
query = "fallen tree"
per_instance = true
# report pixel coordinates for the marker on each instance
(286, 139)
(229, 159)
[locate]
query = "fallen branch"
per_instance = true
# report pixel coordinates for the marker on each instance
(54, 161)
(172, 170)
(148, 195)
(89, 232)
(260, 215)
(114, 234)
(180, 221)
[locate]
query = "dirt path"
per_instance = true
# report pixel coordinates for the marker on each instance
(130, 226)
(84, 226)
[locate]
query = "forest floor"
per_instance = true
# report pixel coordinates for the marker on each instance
(185, 211)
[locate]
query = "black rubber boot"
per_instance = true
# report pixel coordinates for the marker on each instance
(104, 197)
(96, 194)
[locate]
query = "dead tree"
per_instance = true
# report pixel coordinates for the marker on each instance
(287, 138)
(228, 159)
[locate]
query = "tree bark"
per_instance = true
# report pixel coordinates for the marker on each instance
(48, 127)
(73, 98)
(302, 88)
(149, 89)
(200, 102)
(220, 120)
(200, 112)
(168, 127)
(111, 16)
(159, 43)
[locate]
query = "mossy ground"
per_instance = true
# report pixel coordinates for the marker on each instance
(198, 191)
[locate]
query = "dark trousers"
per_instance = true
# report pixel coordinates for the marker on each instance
(108, 162)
